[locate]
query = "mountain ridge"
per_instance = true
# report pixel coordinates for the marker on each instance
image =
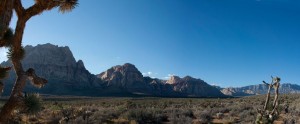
(285, 88)
(70, 77)
(66, 76)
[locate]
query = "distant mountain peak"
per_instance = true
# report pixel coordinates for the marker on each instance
(174, 79)
(48, 54)
(189, 78)
(57, 65)
(129, 65)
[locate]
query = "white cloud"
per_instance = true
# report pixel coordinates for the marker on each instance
(147, 73)
(150, 74)
(3, 54)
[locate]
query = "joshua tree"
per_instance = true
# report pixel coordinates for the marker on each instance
(13, 41)
(270, 112)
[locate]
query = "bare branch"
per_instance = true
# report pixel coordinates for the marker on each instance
(268, 97)
(275, 102)
(266, 83)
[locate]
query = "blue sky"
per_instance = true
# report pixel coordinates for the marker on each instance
(224, 42)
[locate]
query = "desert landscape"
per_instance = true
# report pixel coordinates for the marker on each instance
(149, 62)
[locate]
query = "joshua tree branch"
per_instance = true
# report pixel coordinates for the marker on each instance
(19, 8)
(42, 5)
(266, 83)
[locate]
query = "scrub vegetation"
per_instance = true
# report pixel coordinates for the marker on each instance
(91, 110)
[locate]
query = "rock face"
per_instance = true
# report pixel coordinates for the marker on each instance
(125, 78)
(173, 80)
(128, 78)
(190, 86)
(260, 89)
(67, 77)
(236, 92)
(59, 67)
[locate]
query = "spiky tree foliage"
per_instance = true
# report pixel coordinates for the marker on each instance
(13, 41)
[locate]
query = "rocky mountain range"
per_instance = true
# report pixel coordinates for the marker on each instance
(284, 88)
(66, 76)
(58, 66)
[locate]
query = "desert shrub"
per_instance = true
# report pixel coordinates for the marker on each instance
(69, 114)
(105, 115)
(181, 119)
(145, 115)
(188, 113)
(205, 116)
(289, 119)
(223, 110)
(54, 120)
(247, 116)
(130, 104)
(220, 115)
(80, 120)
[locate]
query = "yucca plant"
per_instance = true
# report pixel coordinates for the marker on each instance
(32, 103)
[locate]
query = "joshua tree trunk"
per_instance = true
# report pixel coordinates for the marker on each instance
(6, 8)
(16, 94)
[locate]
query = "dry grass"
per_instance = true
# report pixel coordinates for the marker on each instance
(157, 110)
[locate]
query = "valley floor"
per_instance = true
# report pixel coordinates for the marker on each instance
(87, 110)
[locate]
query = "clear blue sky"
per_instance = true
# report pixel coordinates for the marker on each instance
(224, 42)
